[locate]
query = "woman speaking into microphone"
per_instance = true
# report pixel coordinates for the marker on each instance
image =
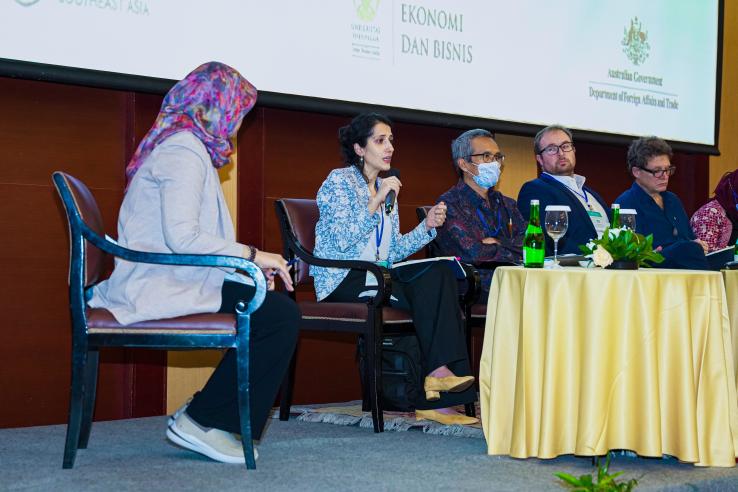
(359, 221)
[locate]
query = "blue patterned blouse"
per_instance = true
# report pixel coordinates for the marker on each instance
(345, 227)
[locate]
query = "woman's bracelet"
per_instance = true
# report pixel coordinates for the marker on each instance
(252, 253)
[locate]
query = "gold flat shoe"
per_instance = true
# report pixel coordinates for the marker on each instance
(444, 418)
(449, 383)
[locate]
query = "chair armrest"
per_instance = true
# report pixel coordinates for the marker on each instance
(474, 285)
(222, 261)
(384, 280)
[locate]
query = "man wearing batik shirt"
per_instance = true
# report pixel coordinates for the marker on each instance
(483, 226)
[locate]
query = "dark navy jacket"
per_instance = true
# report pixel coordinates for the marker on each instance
(670, 227)
(549, 191)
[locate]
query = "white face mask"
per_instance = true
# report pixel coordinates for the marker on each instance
(489, 174)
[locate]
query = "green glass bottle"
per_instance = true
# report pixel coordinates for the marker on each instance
(615, 216)
(534, 241)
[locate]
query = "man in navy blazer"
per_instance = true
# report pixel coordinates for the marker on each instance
(558, 185)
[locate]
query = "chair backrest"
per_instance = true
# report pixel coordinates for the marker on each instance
(81, 207)
(297, 219)
(431, 249)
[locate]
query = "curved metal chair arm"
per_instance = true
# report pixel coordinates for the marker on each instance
(242, 264)
(382, 274)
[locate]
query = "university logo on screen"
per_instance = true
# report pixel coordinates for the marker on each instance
(366, 34)
(26, 3)
(366, 10)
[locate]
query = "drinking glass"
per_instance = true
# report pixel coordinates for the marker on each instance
(557, 222)
(628, 218)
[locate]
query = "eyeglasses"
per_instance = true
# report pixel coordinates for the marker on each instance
(659, 173)
(553, 149)
(488, 157)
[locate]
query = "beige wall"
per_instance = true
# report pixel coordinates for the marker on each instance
(520, 165)
(728, 144)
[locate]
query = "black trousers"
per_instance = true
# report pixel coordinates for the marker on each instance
(274, 329)
(432, 299)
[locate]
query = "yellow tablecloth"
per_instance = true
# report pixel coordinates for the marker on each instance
(731, 292)
(581, 361)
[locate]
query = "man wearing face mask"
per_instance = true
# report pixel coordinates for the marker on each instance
(482, 226)
(558, 185)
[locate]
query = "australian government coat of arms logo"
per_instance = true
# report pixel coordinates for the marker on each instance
(635, 42)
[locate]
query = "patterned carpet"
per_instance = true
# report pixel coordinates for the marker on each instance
(350, 413)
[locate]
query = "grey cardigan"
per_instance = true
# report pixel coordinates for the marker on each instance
(174, 204)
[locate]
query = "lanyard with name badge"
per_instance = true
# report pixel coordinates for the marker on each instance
(379, 232)
(487, 228)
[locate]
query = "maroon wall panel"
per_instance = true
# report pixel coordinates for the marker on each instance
(88, 133)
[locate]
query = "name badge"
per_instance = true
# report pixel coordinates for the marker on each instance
(598, 221)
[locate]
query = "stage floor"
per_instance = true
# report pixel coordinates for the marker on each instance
(134, 455)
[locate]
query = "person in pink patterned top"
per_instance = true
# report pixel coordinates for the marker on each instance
(716, 222)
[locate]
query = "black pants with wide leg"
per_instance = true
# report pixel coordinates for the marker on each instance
(432, 300)
(274, 329)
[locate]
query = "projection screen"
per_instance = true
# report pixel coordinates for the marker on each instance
(611, 68)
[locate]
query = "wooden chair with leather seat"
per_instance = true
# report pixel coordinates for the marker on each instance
(297, 219)
(93, 329)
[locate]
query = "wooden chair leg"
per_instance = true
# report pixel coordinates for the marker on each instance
(244, 393)
(468, 328)
(470, 409)
(90, 391)
(365, 374)
(288, 383)
(374, 358)
(76, 395)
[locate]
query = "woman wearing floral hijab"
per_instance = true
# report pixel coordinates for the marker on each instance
(174, 204)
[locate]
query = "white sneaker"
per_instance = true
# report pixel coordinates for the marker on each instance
(214, 443)
(178, 412)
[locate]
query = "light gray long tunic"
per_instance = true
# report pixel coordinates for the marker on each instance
(174, 204)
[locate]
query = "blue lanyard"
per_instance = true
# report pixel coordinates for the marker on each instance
(487, 228)
(576, 192)
(378, 233)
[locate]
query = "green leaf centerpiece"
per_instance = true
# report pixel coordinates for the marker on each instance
(618, 245)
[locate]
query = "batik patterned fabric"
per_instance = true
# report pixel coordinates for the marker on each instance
(462, 233)
(210, 102)
(711, 224)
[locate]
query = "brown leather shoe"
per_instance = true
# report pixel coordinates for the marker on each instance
(453, 384)
(444, 418)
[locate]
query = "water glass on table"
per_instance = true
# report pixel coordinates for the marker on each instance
(628, 218)
(556, 223)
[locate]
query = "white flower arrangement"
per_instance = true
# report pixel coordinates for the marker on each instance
(621, 244)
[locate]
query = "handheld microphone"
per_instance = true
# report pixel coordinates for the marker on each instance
(389, 201)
